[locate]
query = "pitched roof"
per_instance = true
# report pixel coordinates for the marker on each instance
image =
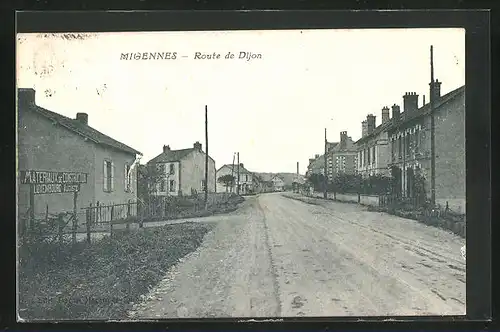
(82, 129)
(242, 169)
(171, 155)
(424, 110)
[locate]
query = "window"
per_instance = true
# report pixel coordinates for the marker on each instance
(416, 140)
(127, 178)
(203, 185)
(172, 169)
(162, 186)
(373, 158)
(369, 159)
(172, 185)
(246, 177)
(108, 176)
(400, 147)
(407, 144)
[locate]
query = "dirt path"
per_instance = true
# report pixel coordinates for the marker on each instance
(277, 256)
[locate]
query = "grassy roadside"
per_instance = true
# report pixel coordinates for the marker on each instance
(101, 280)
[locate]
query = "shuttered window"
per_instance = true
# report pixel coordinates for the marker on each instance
(127, 178)
(108, 179)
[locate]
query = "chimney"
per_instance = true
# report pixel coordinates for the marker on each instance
(343, 139)
(297, 168)
(26, 96)
(410, 102)
(316, 156)
(396, 113)
(311, 160)
(435, 90)
(364, 128)
(83, 118)
(197, 145)
(166, 148)
(423, 102)
(370, 123)
(241, 165)
(385, 114)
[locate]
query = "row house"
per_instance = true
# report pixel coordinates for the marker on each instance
(51, 145)
(316, 165)
(373, 150)
(183, 171)
(246, 179)
(342, 157)
(410, 140)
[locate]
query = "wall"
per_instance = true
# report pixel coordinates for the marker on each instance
(450, 154)
(51, 147)
(118, 195)
(346, 197)
(382, 156)
(193, 173)
(169, 177)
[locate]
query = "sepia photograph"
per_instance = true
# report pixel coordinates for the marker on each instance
(241, 174)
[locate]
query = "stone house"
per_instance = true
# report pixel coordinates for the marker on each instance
(316, 165)
(183, 171)
(410, 141)
(246, 181)
(374, 151)
(341, 157)
(49, 144)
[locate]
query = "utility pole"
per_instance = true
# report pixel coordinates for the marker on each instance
(433, 154)
(238, 182)
(206, 156)
(232, 175)
(325, 193)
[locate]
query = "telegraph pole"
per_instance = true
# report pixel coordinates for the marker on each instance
(206, 156)
(433, 154)
(232, 175)
(238, 182)
(325, 193)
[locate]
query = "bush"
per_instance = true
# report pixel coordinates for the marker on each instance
(99, 280)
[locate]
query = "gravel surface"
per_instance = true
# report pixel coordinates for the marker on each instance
(282, 257)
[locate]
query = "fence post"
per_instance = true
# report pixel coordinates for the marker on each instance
(47, 213)
(75, 220)
(60, 228)
(359, 198)
(89, 214)
(128, 215)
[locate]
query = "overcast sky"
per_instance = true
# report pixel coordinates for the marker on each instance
(272, 110)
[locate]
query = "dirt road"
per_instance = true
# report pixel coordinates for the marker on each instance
(282, 257)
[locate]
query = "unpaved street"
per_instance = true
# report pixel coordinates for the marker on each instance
(278, 256)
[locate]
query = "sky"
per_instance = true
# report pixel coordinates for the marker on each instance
(272, 110)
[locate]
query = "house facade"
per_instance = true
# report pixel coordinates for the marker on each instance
(51, 146)
(342, 157)
(183, 171)
(373, 148)
(246, 179)
(316, 165)
(410, 140)
(278, 183)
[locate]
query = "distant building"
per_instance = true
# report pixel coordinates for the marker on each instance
(316, 165)
(184, 171)
(410, 135)
(342, 157)
(246, 184)
(278, 183)
(52, 143)
(373, 149)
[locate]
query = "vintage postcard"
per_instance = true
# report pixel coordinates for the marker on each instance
(241, 174)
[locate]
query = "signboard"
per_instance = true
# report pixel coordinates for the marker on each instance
(47, 182)
(47, 177)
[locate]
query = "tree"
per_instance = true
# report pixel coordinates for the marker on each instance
(149, 177)
(228, 180)
(317, 181)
